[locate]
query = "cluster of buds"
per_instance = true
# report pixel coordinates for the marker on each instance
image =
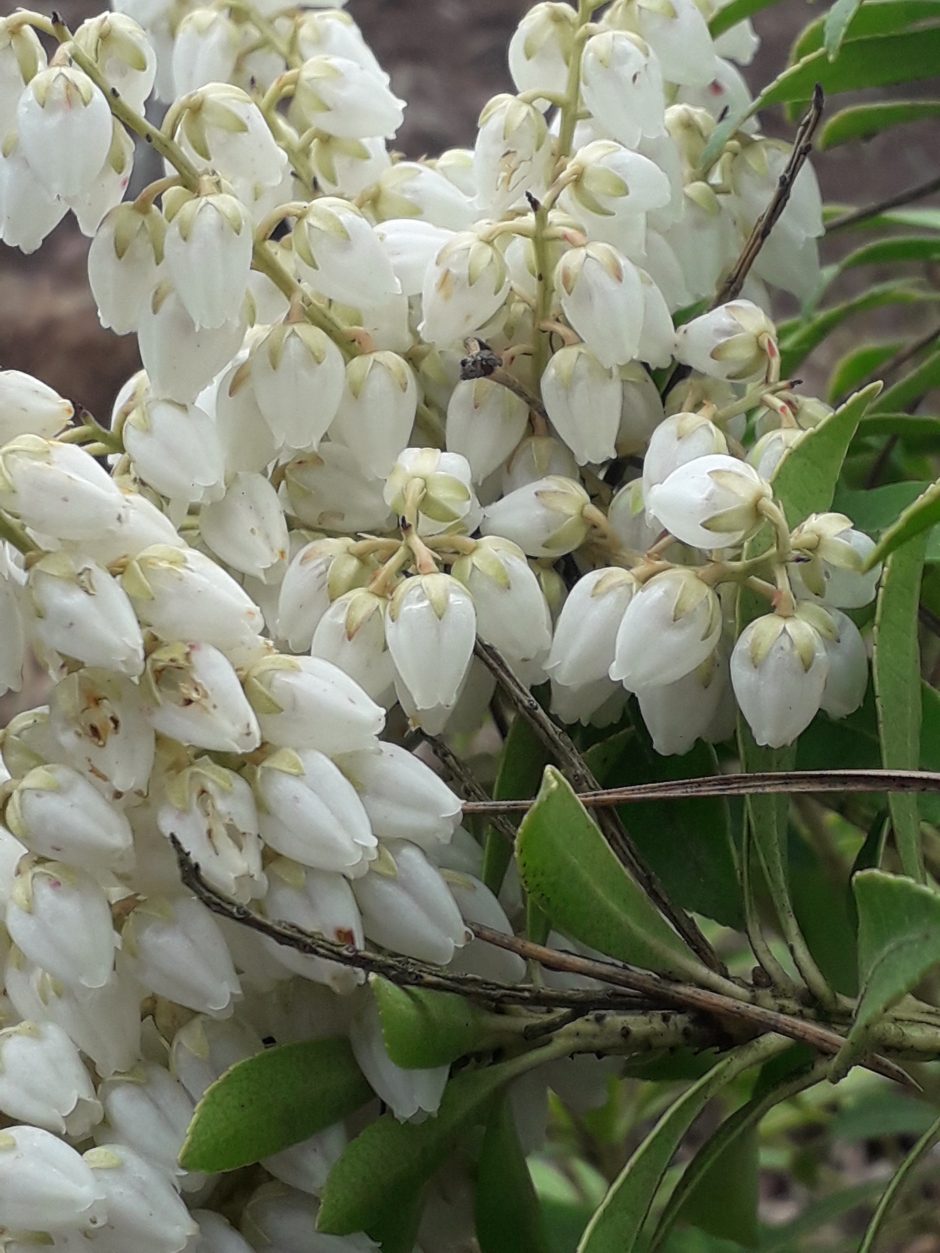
(309, 506)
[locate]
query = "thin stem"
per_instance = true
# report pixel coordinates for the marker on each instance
(759, 947)
(569, 110)
(543, 290)
(910, 194)
(15, 534)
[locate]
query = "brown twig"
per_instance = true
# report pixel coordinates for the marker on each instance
(581, 778)
(769, 782)
(468, 781)
(802, 147)
(908, 196)
(483, 363)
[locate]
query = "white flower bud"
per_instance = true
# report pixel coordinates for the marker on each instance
(541, 48)
(82, 612)
(59, 917)
(512, 155)
(216, 1234)
(46, 1185)
(28, 210)
(64, 126)
(711, 502)
(297, 376)
(278, 1219)
(678, 34)
(21, 57)
(512, 613)
(58, 813)
(57, 489)
(248, 443)
(307, 1165)
(207, 253)
(347, 167)
(123, 54)
(377, 410)
(771, 448)
(204, 1048)
(205, 47)
(43, 1080)
(847, 680)
(677, 714)
(144, 1211)
(408, 1093)
(602, 297)
(320, 572)
(246, 528)
(583, 399)
(407, 907)
(179, 357)
(779, 669)
(670, 626)
(544, 517)
(403, 797)
(433, 489)
(411, 245)
(343, 258)
(107, 188)
(175, 449)
(614, 186)
(463, 287)
(329, 489)
(13, 646)
(29, 407)
(139, 525)
(735, 341)
(837, 553)
(485, 422)
(678, 440)
(582, 651)
(321, 902)
(312, 813)
(622, 86)
(414, 191)
(193, 695)
(351, 634)
(225, 131)
(305, 702)
(211, 811)
(174, 948)
(99, 721)
(431, 631)
(341, 98)
(149, 1111)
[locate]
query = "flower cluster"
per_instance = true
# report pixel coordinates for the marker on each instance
(388, 408)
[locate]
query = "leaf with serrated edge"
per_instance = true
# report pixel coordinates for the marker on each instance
(424, 1029)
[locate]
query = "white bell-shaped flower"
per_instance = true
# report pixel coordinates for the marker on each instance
(771, 448)
(205, 46)
(614, 184)
(411, 244)
(677, 714)
(511, 609)
(342, 257)
(477, 904)
(246, 528)
(139, 525)
(348, 167)
(144, 1210)
(541, 47)
(225, 131)
(403, 797)
(44, 1082)
(248, 442)
(148, 1110)
(13, 643)
(672, 623)
(407, 907)
(735, 341)
(50, 901)
(545, 517)
(622, 86)
(123, 54)
(211, 811)
(59, 814)
(175, 449)
(410, 1093)
(335, 33)
(82, 612)
(174, 948)
(834, 556)
(109, 185)
(319, 573)
(779, 669)
(432, 490)
(305, 702)
(681, 438)
(583, 399)
(351, 634)
(21, 57)
(207, 253)
(413, 190)
(179, 357)
(339, 97)
(216, 1234)
(711, 502)
(30, 407)
(57, 489)
(46, 1185)
(582, 651)
(485, 422)
(512, 155)
(431, 630)
(679, 36)
(99, 722)
(641, 409)
(602, 297)
(193, 695)
(328, 489)
(297, 376)
(204, 1048)
(64, 127)
(28, 210)
(322, 903)
(307, 1165)
(312, 813)
(377, 410)
(279, 1219)
(847, 680)
(463, 287)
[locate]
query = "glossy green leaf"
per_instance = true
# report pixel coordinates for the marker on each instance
(523, 759)
(836, 24)
(910, 390)
(920, 431)
(737, 11)
(389, 1162)
(898, 944)
(918, 517)
(893, 251)
(273, 1100)
(864, 121)
(862, 64)
(896, 672)
(508, 1218)
(857, 366)
(803, 335)
(892, 1191)
(617, 1224)
(875, 509)
(568, 867)
(423, 1029)
(876, 17)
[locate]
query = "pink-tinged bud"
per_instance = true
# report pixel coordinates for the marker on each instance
(174, 948)
(403, 797)
(377, 410)
(322, 903)
(43, 1080)
(463, 287)
(57, 489)
(59, 814)
(582, 651)
(246, 528)
(311, 812)
(711, 502)
(297, 376)
(193, 695)
(512, 613)
(82, 612)
(670, 626)
(602, 297)
(622, 86)
(351, 634)
(583, 399)
(64, 126)
(431, 631)
(29, 407)
(409, 1094)
(305, 702)
(779, 669)
(60, 918)
(341, 98)
(735, 341)
(144, 1210)
(545, 517)
(46, 1185)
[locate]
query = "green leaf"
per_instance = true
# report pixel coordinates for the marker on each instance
(875, 509)
(616, 1226)
(862, 64)
(919, 516)
(873, 1112)
(737, 11)
(389, 1162)
(570, 870)
(836, 24)
(876, 17)
(569, 1191)
(898, 944)
(913, 388)
(893, 1190)
(273, 1100)
(802, 336)
(864, 121)
(687, 843)
(858, 365)
(919, 431)
(920, 248)
(896, 671)
(523, 759)
(425, 1029)
(508, 1219)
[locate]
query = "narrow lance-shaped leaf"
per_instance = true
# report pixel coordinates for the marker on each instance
(837, 23)
(272, 1100)
(864, 121)
(737, 11)
(877, 17)
(908, 391)
(508, 1217)
(569, 869)
(920, 516)
(800, 337)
